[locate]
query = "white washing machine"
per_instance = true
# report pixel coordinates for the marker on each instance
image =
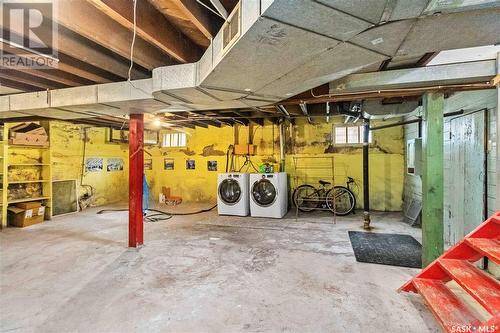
(233, 194)
(268, 194)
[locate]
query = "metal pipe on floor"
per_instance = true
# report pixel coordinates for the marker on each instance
(366, 178)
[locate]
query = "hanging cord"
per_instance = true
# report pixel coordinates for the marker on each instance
(248, 163)
(133, 43)
(230, 167)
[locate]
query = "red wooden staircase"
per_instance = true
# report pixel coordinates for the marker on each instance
(456, 264)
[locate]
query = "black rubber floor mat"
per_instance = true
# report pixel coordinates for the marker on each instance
(386, 249)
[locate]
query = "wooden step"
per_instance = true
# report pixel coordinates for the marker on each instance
(488, 247)
(450, 311)
(481, 286)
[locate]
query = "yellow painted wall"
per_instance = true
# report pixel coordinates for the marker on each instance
(386, 159)
(67, 154)
(207, 144)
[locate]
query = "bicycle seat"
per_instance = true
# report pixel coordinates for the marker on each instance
(322, 182)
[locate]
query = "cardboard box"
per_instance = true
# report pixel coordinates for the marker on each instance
(28, 135)
(26, 214)
(244, 149)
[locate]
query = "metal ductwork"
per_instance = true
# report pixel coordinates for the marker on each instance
(281, 48)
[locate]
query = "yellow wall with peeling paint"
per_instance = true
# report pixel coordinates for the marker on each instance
(386, 158)
(211, 144)
(67, 157)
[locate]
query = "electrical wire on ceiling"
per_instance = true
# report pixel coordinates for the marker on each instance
(129, 78)
(134, 36)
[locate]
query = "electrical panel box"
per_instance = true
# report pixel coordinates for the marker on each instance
(414, 156)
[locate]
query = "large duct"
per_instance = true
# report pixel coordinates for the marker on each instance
(283, 47)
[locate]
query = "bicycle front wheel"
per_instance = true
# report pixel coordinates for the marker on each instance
(340, 200)
(306, 198)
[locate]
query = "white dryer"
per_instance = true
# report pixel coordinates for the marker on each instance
(268, 194)
(233, 194)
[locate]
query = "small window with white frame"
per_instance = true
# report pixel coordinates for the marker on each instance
(349, 135)
(174, 140)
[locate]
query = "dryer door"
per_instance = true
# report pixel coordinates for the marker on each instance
(264, 192)
(230, 191)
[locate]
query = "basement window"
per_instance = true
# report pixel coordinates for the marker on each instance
(350, 135)
(172, 140)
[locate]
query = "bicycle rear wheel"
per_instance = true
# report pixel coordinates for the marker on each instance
(340, 200)
(306, 198)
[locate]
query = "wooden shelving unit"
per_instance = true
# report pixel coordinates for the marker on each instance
(3, 176)
(10, 161)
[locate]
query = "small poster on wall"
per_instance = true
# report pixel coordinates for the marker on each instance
(212, 165)
(168, 164)
(115, 164)
(190, 165)
(93, 164)
(148, 164)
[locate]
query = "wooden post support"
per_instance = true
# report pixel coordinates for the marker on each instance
(432, 177)
(135, 177)
(366, 174)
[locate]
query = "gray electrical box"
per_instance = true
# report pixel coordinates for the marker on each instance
(414, 156)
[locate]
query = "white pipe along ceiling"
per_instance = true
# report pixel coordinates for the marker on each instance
(283, 47)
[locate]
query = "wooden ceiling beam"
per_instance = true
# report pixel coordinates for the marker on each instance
(186, 125)
(73, 66)
(214, 123)
(57, 75)
(18, 85)
(200, 17)
(87, 21)
(152, 26)
(76, 46)
(25, 78)
(86, 70)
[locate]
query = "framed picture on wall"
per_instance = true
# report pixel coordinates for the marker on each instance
(168, 164)
(93, 164)
(212, 165)
(190, 164)
(115, 164)
(148, 164)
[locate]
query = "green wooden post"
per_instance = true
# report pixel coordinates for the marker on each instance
(432, 177)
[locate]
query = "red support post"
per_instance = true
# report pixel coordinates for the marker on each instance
(135, 178)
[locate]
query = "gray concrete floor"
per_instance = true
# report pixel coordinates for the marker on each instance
(202, 273)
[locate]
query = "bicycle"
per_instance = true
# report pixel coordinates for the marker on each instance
(340, 200)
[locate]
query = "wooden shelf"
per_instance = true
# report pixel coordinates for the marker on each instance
(39, 160)
(28, 181)
(28, 164)
(27, 200)
(28, 147)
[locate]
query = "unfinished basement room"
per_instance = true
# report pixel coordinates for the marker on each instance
(223, 166)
